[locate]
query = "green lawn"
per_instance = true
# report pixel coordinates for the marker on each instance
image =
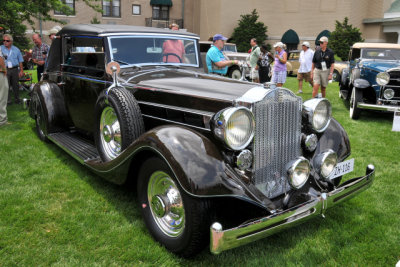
(53, 211)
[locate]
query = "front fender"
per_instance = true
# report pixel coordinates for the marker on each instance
(335, 138)
(361, 83)
(195, 160)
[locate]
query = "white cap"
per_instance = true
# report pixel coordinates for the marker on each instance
(279, 44)
(323, 39)
(306, 44)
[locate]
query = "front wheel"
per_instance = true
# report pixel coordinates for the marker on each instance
(178, 221)
(356, 97)
(336, 76)
(235, 73)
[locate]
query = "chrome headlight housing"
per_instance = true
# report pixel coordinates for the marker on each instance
(298, 172)
(325, 163)
(317, 113)
(235, 127)
(382, 78)
(388, 93)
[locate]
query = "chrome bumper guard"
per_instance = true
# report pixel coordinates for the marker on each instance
(260, 228)
(379, 107)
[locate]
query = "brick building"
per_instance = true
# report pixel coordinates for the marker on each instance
(297, 20)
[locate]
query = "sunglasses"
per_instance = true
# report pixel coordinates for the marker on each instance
(6, 41)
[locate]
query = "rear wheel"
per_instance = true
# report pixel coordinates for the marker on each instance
(356, 97)
(40, 119)
(178, 221)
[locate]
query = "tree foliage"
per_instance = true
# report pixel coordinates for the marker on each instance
(344, 36)
(248, 28)
(13, 13)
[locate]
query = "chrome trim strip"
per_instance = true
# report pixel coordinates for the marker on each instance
(226, 239)
(188, 110)
(175, 122)
(379, 107)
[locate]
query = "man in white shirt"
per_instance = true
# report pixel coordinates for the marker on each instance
(304, 72)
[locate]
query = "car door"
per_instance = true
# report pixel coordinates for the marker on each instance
(83, 78)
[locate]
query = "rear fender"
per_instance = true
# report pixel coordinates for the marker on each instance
(49, 96)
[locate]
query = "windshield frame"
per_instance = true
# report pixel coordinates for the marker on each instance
(158, 36)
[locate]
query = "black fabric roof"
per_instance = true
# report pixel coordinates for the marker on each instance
(96, 29)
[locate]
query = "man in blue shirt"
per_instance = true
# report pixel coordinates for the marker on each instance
(13, 60)
(216, 61)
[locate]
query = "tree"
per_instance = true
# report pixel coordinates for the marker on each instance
(248, 28)
(13, 13)
(344, 36)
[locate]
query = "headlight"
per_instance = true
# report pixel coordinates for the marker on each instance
(235, 127)
(298, 172)
(388, 93)
(382, 78)
(317, 113)
(325, 163)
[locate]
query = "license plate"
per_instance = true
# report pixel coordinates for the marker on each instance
(342, 168)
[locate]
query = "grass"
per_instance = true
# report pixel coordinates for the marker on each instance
(53, 211)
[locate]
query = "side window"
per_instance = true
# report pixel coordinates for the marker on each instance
(355, 53)
(84, 52)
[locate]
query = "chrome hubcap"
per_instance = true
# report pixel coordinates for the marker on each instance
(110, 133)
(166, 204)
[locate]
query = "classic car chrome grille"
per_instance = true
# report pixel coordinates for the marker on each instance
(276, 141)
(394, 83)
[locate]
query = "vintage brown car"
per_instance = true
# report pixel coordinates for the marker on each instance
(214, 160)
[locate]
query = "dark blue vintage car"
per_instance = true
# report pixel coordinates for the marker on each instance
(372, 78)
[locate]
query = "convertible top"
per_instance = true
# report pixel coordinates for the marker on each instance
(104, 29)
(376, 45)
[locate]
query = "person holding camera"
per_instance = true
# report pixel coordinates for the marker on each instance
(13, 60)
(39, 54)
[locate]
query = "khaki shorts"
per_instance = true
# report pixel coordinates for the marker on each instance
(321, 77)
(254, 73)
(304, 76)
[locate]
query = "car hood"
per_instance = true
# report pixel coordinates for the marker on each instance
(189, 83)
(380, 66)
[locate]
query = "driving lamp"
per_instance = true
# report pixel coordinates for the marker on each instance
(388, 93)
(298, 172)
(325, 163)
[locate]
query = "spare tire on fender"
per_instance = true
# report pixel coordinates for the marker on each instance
(119, 122)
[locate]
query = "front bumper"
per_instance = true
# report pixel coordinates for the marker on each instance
(378, 107)
(226, 239)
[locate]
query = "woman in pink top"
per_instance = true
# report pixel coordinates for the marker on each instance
(173, 50)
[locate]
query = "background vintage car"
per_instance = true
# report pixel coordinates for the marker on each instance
(213, 160)
(371, 80)
(293, 65)
(230, 51)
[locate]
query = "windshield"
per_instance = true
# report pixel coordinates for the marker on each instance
(153, 50)
(229, 48)
(381, 53)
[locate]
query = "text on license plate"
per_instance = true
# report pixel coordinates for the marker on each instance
(342, 168)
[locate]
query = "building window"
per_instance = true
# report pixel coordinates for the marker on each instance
(161, 12)
(136, 10)
(70, 4)
(112, 8)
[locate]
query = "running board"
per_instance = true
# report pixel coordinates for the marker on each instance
(79, 148)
